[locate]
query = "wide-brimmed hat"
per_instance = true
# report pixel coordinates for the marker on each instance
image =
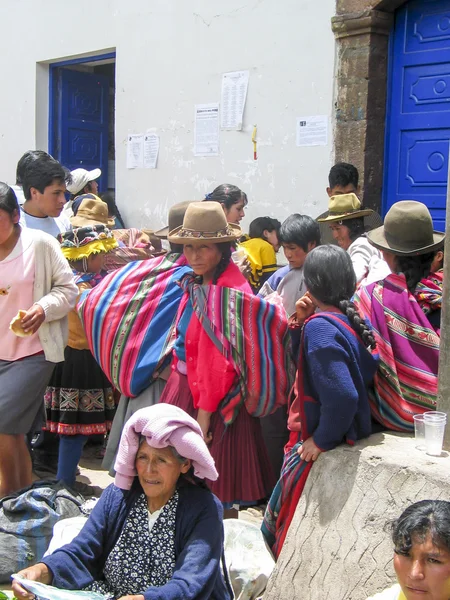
(81, 242)
(407, 230)
(175, 219)
(205, 221)
(343, 207)
(92, 211)
(80, 178)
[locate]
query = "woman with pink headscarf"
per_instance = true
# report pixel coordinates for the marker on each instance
(157, 532)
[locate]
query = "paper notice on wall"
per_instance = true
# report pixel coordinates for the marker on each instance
(151, 150)
(233, 97)
(312, 131)
(206, 130)
(135, 151)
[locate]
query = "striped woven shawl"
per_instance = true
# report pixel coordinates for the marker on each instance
(406, 381)
(253, 335)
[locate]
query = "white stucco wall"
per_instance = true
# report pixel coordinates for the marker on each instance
(170, 56)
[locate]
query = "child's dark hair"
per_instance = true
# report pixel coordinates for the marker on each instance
(420, 520)
(113, 210)
(300, 230)
(330, 277)
(25, 161)
(225, 249)
(42, 172)
(261, 224)
(8, 200)
(227, 195)
(414, 268)
(342, 175)
(355, 227)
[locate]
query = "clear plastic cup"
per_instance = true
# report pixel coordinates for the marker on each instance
(434, 432)
(419, 431)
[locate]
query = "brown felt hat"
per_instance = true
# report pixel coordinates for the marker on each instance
(176, 216)
(407, 230)
(343, 207)
(92, 211)
(205, 221)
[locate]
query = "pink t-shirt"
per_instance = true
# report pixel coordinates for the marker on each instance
(16, 293)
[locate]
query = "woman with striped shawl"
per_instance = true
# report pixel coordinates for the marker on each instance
(231, 359)
(404, 311)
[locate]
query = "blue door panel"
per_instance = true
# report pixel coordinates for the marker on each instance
(418, 123)
(82, 123)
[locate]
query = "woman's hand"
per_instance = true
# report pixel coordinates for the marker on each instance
(38, 572)
(204, 420)
(304, 308)
(309, 451)
(33, 318)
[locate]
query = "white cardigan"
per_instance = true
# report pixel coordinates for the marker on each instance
(54, 290)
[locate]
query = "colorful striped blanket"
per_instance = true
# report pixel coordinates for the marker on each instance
(129, 320)
(406, 381)
(253, 335)
(428, 292)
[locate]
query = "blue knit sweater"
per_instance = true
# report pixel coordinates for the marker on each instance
(335, 371)
(198, 546)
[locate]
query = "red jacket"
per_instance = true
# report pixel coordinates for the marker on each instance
(210, 375)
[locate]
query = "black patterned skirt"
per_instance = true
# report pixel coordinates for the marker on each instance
(79, 398)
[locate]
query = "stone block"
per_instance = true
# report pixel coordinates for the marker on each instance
(338, 546)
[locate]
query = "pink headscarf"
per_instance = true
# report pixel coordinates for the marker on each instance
(162, 425)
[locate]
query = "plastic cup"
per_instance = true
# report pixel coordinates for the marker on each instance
(419, 431)
(434, 432)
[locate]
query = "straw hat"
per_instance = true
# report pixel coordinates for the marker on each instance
(83, 241)
(343, 207)
(407, 230)
(92, 211)
(205, 221)
(176, 216)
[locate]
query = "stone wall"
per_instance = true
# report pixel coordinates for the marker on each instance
(338, 546)
(362, 29)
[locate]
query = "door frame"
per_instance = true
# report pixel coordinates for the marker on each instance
(52, 79)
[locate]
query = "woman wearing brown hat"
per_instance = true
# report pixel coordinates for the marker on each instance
(407, 339)
(346, 220)
(202, 376)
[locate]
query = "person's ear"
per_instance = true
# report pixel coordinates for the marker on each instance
(185, 467)
(16, 217)
(266, 233)
(329, 192)
(34, 193)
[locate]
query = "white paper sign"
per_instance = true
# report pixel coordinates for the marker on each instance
(233, 97)
(151, 150)
(135, 151)
(312, 131)
(206, 130)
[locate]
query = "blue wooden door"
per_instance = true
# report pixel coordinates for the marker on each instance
(418, 122)
(81, 121)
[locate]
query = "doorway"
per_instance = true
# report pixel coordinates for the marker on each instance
(82, 115)
(418, 121)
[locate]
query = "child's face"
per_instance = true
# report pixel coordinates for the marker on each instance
(96, 262)
(295, 255)
(272, 238)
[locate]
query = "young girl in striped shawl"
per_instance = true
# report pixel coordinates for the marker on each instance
(336, 365)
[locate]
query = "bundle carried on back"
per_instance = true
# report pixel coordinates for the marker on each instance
(129, 320)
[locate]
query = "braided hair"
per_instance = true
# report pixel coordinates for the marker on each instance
(414, 268)
(330, 277)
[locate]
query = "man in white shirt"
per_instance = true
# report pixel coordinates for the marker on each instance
(44, 186)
